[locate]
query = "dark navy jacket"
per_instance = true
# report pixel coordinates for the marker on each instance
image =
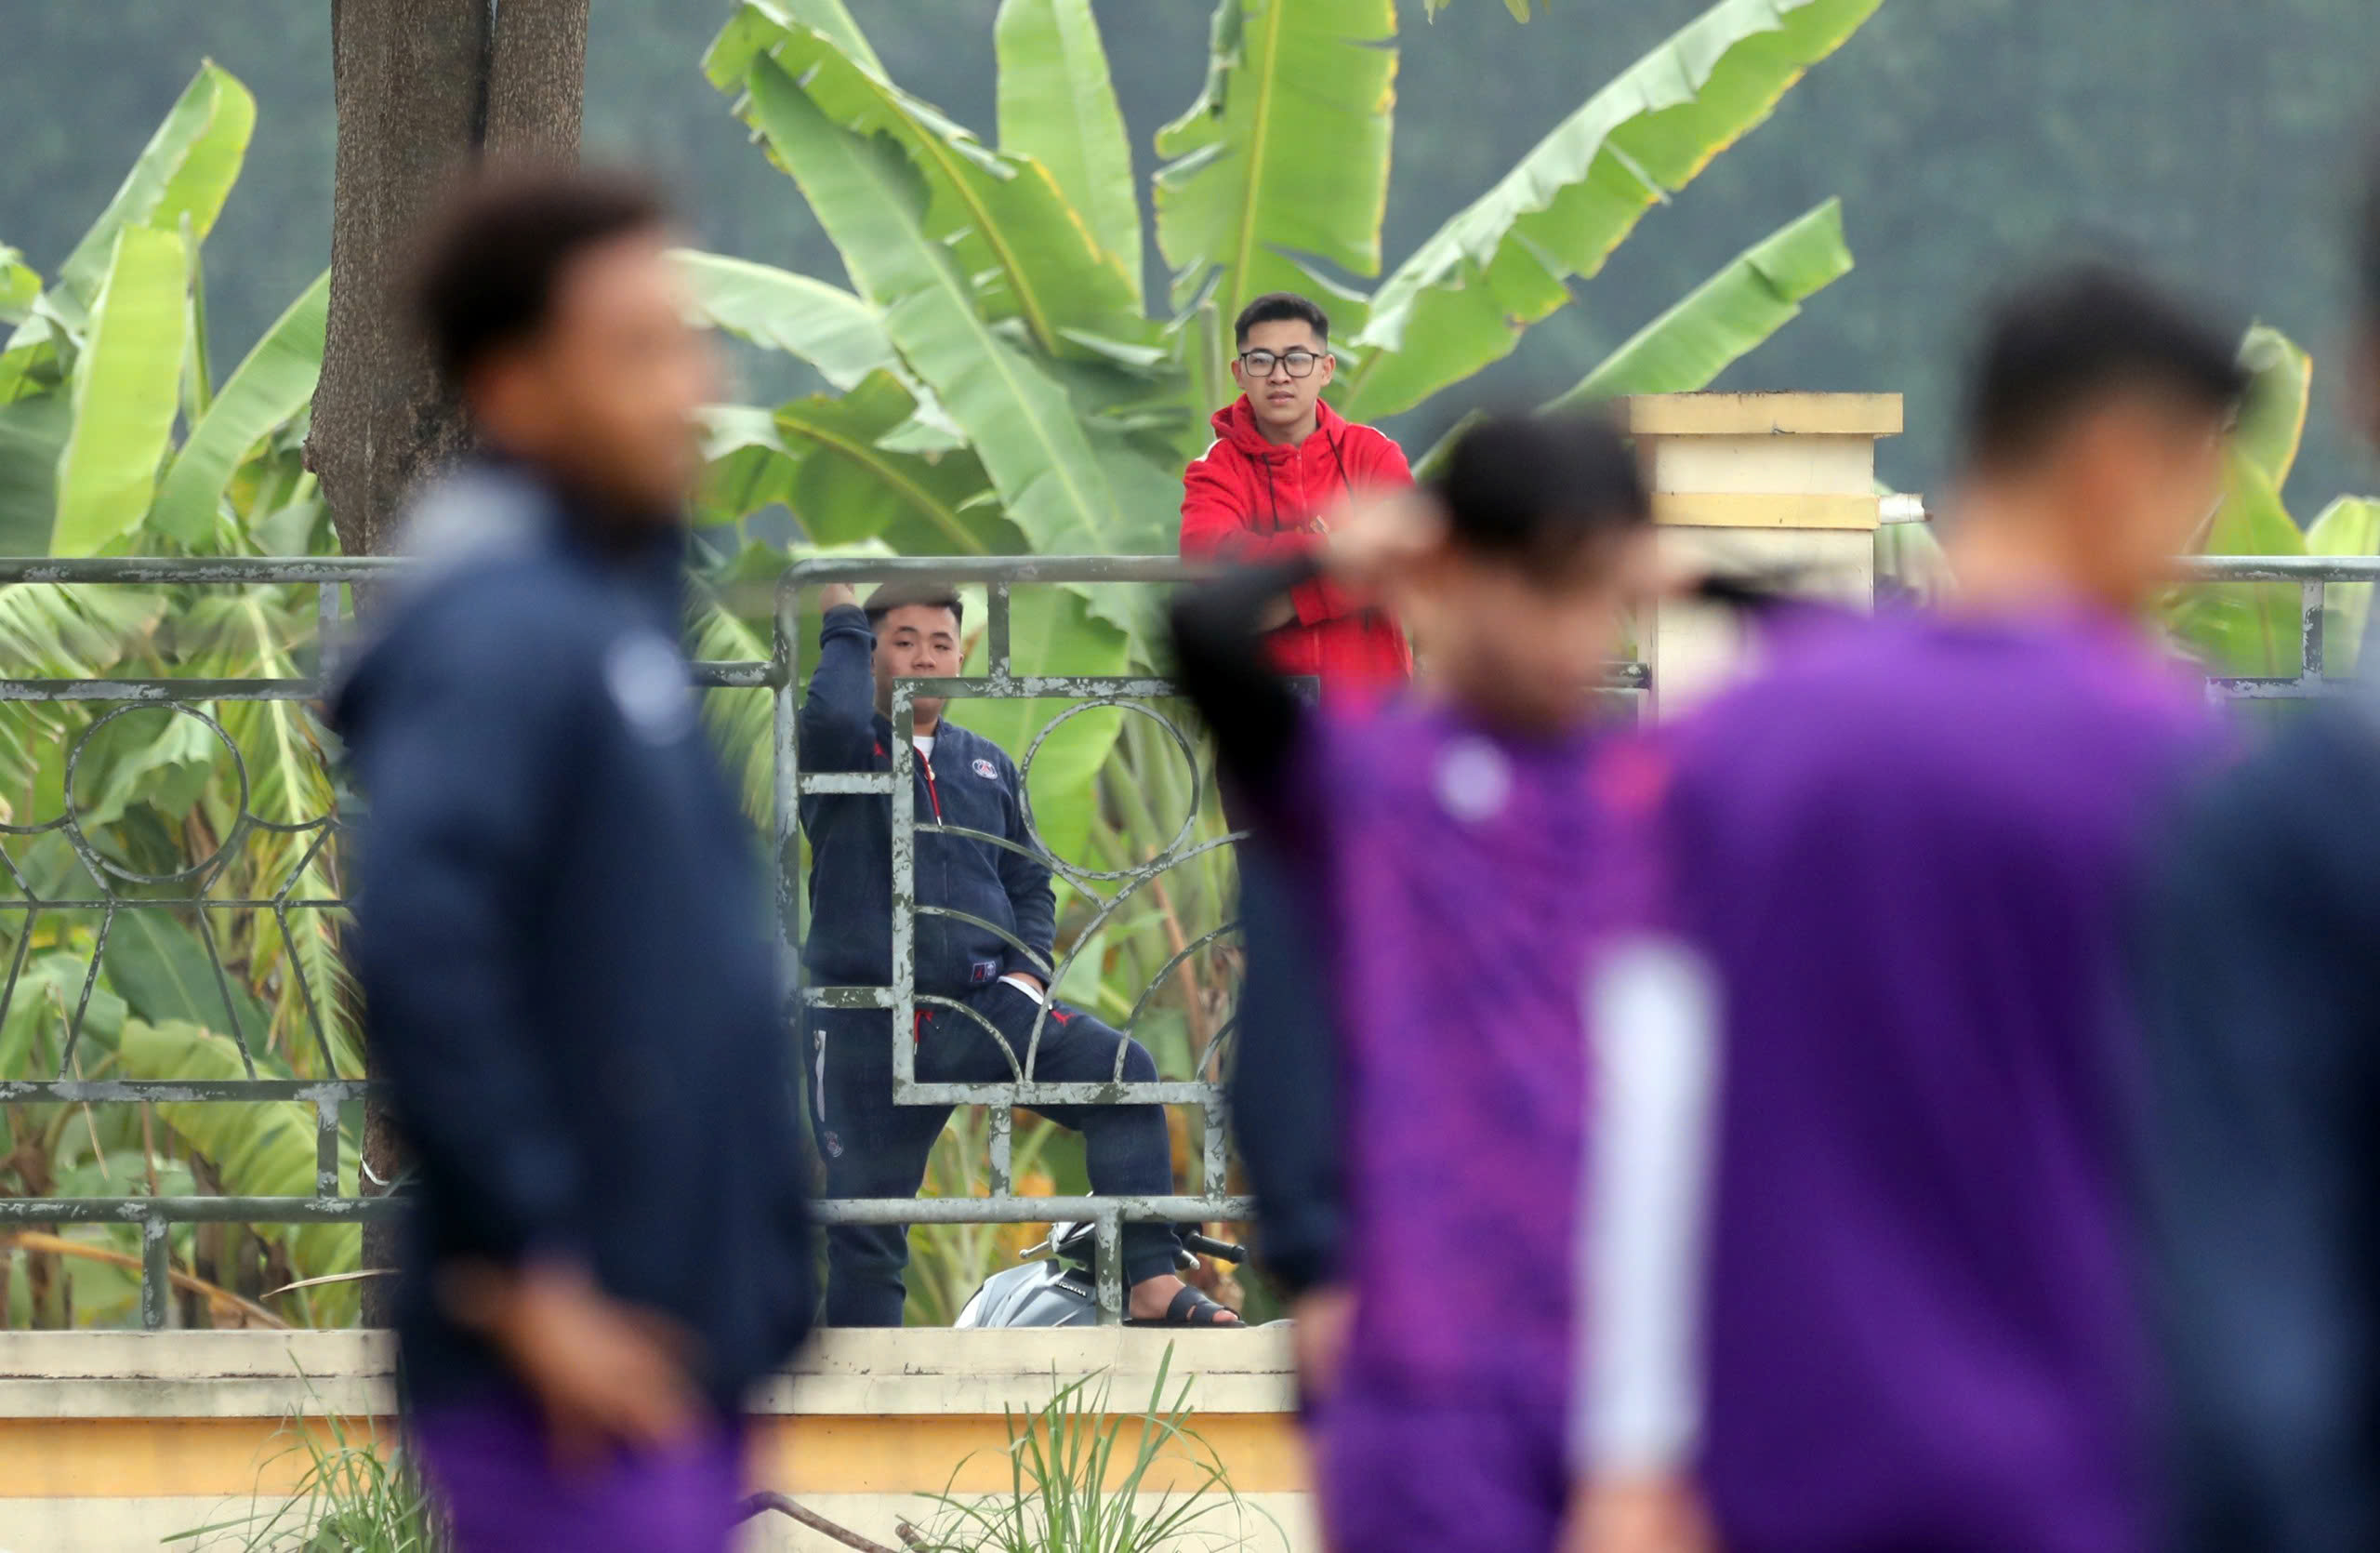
(2262, 996)
(973, 784)
(560, 937)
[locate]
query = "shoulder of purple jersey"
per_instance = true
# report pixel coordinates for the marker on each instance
(1628, 775)
(1809, 662)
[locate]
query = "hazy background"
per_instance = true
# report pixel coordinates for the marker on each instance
(2216, 137)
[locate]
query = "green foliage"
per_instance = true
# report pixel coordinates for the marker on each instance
(2254, 628)
(1759, 292)
(1057, 105)
(115, 438)
(1005, 389)
(1078, 1473)
(126, 395)
(109, 360)
(357, 1493)
(1285, 152)
(266, 1149)
(995, 289)
(1463, 298)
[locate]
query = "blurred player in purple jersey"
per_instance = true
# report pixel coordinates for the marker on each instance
(1466, 859)
(1905, 848)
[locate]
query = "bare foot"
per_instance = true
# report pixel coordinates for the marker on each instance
(1151, 1298)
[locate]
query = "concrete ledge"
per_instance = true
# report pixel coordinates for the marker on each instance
(1748, 415)
(908, 1371)
(111, 1439)
(1764, 510)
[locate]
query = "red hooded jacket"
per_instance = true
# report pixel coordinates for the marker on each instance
(1248, 499)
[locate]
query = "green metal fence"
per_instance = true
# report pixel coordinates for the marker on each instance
(116, 894)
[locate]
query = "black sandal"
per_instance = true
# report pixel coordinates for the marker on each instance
(1190, 1307)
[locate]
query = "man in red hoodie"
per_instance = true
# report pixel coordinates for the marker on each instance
(1280, 458)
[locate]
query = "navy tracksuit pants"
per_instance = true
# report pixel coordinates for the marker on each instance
(873, 1148)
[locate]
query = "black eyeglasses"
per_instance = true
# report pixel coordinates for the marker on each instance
(1300, 362)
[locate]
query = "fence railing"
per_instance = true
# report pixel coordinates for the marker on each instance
(120, 894)
(2314, 575)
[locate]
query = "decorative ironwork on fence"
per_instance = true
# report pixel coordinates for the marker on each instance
(118, 893)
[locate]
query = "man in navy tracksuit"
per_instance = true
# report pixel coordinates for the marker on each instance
(568, 975)
(985, 922)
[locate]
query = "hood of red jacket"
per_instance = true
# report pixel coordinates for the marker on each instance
(1235, 423)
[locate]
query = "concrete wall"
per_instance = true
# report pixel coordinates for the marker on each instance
(1782, 485)
(110, 1441)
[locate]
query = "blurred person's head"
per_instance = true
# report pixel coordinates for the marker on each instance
(1283, 363)
(548, 300)
(2096, 410)
(1545, 536)
(917, 626)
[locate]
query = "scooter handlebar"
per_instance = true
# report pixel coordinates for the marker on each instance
(1207, 1245)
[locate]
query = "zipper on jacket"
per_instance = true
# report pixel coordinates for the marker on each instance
(933, 792)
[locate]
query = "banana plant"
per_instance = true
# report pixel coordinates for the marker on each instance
(1002, 386)
(2252, 627)
(999, 383)
(1020, 393)
(119, 436)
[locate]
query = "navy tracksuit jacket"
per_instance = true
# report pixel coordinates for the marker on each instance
(561, 933)
(971, 782)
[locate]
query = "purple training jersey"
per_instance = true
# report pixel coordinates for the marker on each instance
(1907, 847)
(1467, 879)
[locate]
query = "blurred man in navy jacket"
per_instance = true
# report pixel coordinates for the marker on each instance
(2264, 997)
(559, 925)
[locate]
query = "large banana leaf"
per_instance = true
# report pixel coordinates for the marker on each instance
(1285, 151)
(264, 1150)
(1759, 292)
(1503, 262)
(20, 283)
(273, 383)
(1039, 455)
(161, 967)
(1002, 217)
(126, 389)
(186, 172)
(254, 634)
(848, 486)
(2246, 628)
(71, 632)
(2281, 385)
(32, 433)
(759, 25)
(1057, 105)
(2348, 526)
(823, 324)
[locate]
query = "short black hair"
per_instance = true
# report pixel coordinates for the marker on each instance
(896, 595)
(486, 276)
(2073, 336)
(1275, 306)
(1533, 488)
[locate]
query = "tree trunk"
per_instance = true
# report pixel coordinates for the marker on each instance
(537, 78)
(409, 82)
(421, 87)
